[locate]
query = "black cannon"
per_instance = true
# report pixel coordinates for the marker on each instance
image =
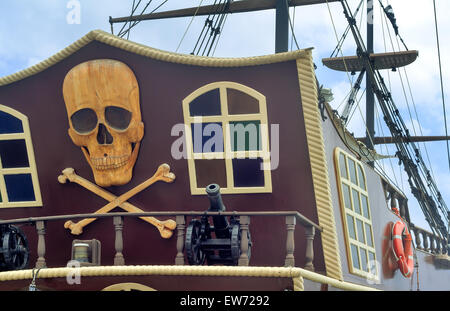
(219, 243)
(14, 252)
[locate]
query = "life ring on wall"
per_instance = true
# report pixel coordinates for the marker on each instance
(403, 250)
(389, 263)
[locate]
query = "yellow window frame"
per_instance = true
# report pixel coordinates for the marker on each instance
(225, 118)
(360, 187)
(31, 169)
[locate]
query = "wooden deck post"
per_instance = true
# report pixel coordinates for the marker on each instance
(118, 227)
(309, 257)
(290, 246)
(243, 259)
(181, 226)
(40, 228)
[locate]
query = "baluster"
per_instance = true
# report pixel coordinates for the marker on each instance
(290, 227)
(402, 205)
(40, 228)
(425, 241)
(417, 237)
(432, 247)
(393, 200)
(245, 222)
(310, 232)
(118, 227)
(181, 226)
(438, 245)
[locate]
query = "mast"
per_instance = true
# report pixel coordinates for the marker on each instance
(370, 97)
(282, 26)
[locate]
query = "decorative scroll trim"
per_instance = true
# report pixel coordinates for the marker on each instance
(140, 49)
(321, 183)
(297, 274)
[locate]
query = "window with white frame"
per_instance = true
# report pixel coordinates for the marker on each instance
(356, 215)
(19, 184)
(227, 141)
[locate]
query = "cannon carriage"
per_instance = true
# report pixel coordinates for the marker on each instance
(219, 243)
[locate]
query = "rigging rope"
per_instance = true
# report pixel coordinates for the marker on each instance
(425, 171)
(292, 32)
(213, 26)
(220, 34)
(407, 150)
(189, 25)
(292, 26)
(137, 22)
(442, 83)
(133, 9)
(344, 35)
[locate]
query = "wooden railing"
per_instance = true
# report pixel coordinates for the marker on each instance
(244, 218)
(429, 242)
(432, 243)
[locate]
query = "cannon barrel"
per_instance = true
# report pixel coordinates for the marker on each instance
(221, 226)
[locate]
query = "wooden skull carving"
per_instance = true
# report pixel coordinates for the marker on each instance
(102, 102)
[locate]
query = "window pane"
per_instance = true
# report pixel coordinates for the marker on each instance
(365, 206)
(369, 234)
(19, 187)
(343, 166)
(356, 203)
(355, 259)
(207, 137)
(241, 103)
(363, 255)
(359, 226)
(207, 104)
(248, 172)
(9, 124)
(351, 227)
(352, 170)
(245, 136)
(347, 202)
(209, 172)
(13, 153)
(362, 182)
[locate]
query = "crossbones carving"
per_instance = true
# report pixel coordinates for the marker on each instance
(163, 173)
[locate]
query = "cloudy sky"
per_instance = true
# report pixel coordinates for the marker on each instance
(33, 30)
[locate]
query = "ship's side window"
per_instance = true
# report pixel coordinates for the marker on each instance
(19, 185)
(356, 215)
(227, 139)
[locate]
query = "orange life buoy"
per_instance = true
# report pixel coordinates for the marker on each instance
(403, 250)
(389, 263)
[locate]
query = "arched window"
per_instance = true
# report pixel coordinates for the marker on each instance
(19, 184)
(356, 215)
(227, 141)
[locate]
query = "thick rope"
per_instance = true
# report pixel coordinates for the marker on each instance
(296, 274)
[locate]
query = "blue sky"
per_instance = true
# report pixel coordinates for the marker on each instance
(33, 30)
